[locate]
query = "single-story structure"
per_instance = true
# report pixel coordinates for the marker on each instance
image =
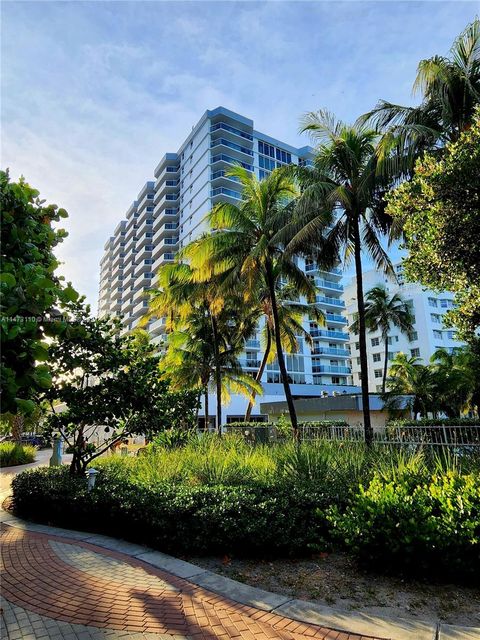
(348, 407)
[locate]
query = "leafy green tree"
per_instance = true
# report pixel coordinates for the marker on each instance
(33, 297)
(439, 212)
(382, 312)
(457, 376)
(341, 210)
(450, 90)
(103, 379)
(244, 247)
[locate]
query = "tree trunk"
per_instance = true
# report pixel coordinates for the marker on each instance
(206, 410)
(362, 336)
(385, 365)
(17, 427)
(280, 358)
(218, 376)
(259, 375)
(78, 446)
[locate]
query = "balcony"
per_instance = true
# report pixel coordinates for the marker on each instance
(330, 369)
(320, 350)
(327, 301)
(249, 364)
(223, 126)
(164, 229)
(164, 258)
(252, 344)
(228, 144)
(221, 157)
(321, 283)
(326, 333)
(167, 200)
(222, 191)
(333, 317)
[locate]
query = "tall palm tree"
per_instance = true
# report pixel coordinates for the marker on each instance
(291, 313)
(409, 377)
(450, 89)
(383, 311)
(206, 329)
(341, 209)
(244, 246)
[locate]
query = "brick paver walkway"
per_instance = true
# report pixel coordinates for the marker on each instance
(58, 588)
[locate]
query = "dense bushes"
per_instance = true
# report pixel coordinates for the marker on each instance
(13, 454)
(179, 518)
(395, 510)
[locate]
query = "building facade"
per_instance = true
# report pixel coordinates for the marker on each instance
(170, 211)
(429, 331)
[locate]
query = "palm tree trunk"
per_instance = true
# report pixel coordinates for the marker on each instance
(17, 427)
(362, 336)
(385, 365)
(206, 408)
(259, 375)
(218, 375)
(280, 358)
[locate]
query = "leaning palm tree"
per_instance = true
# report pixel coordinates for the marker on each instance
(291, 313)
(450, 89)
(244, 247)
(383, 311)
(341, 210)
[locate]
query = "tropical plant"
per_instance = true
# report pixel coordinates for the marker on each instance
(458, 381)
(383, 311)
(450, 89)
(438, 212)
(408, 377)
(32, 295)
(341, 209)
(245, 249)
(207, 331)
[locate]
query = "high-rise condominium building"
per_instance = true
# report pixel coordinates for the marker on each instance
(429, 331)
(170, 211)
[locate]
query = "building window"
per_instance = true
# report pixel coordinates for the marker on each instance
(432, 302)
(358, 360)
(437, 319)
(437, 334)
(415, 353)
(378, 373)
(412, 336)
(375, 342)
(357, 345)
(377, 357)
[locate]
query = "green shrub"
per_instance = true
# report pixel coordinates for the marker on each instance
(173, 438)
(12, 454)
(401, 524)
(435, 422)
(252, 520)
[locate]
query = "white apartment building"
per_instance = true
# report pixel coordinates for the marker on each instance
(429, 333)
(170, 211)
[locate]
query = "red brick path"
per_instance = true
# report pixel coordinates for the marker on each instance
(35, 578)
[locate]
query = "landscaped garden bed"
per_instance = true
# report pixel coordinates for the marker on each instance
(12, 454)
(415, 513)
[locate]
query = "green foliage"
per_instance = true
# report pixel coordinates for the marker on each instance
(435, 422)
(423, 526)
(173, 438)
(32, 296)
(249, 520)
(439, 213)
(113, 381)
(12, 454)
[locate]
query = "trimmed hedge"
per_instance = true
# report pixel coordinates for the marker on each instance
(246, 520)
(429, 528)
(435, 422)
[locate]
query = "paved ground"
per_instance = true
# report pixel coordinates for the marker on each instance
(59, 588)
(41, 459)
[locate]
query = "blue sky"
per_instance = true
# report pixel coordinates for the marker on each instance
(94, 93)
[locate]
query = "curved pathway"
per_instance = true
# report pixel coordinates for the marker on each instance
(56, 587)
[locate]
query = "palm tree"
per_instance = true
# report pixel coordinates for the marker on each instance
(450, 89)
(382, 312)
(244, 246)
(409, 377)
(457, 380)
(290, 313)
(206, 330)
(341, 209)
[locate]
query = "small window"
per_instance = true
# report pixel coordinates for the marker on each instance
(415, 353)
(357, 345)
(378, 373)
(375, 342)
(412, 336)
(377, 357)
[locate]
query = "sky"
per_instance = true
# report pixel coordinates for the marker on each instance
(94, 93)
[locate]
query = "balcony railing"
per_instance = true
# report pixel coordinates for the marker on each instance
(252, 344)
(330, 369)
(227, 127)
(334, 317)
(329, 351)
(221, 157)
(231, 145)
(223, 174)
(328, 284)
(325, 333)
(336, 302)
(226, 192)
